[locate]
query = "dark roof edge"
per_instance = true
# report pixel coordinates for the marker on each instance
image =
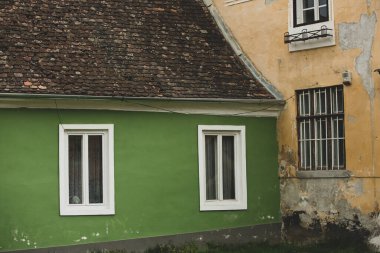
(237, 49)
(86, 97)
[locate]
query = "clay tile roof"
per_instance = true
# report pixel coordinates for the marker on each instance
(132, 48)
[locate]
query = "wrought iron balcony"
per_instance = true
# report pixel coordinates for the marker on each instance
(307, 35)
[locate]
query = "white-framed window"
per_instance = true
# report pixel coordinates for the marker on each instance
(320, 121)
(222, 167)
(86, 169)
(311, 24)
(308, 12)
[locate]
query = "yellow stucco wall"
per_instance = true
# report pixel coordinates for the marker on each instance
(259, 26)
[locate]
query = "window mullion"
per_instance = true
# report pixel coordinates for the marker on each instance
(220, 167)
(85, 187)
(316, 10)
(299, 12)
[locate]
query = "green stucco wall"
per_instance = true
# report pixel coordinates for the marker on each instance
(156, 178)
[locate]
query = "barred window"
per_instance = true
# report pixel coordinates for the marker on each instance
(321, 128)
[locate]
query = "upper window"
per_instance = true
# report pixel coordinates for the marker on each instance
(310, 11)
(321, 128)
(310, 24)
(86, 169)
(222, 175)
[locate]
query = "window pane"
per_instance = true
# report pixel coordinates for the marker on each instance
(304, 103)
(308, 16)
(335, 127)
(320, 150)
(75, 169)
(323, 14)
(95, 168)
(340, 128)
(322, 2)
(337, 100)
(320, 100)
(307, 155)
(305, 130)
(341, 153)
(307, 103)
(228, 161)
(335, 153)
(211, 160)
(308, 3)
(340, 99)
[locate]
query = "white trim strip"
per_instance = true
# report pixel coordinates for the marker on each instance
(248, 108)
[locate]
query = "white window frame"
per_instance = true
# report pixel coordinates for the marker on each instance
(240, 202)
(108, 205)
(311, 43)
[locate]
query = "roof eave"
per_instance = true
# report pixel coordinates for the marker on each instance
(202, 106)
(205, 99)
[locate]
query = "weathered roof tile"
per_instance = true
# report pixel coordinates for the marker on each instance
(133, 48)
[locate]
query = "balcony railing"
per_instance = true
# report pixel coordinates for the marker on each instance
(307, 35)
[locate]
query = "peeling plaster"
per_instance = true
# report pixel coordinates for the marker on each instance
(288, 162)
(319, 204)
(270, 1)
(361, 35)
(375, 242)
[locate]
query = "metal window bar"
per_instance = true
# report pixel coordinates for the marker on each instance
(320, 124)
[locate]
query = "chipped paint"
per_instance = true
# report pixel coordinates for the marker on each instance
(23, 239)
(270, 1)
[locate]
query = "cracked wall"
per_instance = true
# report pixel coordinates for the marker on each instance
(317, 204)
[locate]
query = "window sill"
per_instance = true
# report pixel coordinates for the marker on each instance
(226, 205)
(324, 174)
(85, 210)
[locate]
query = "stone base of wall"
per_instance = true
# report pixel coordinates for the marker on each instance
(294, 231)
(320, 208)
(259, 233)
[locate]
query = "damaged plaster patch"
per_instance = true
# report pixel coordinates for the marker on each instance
(361, 35)
(315, 206)
(269, 1)
(375, 242)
